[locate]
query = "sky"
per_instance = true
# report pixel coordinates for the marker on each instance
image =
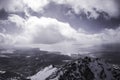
(68, 26)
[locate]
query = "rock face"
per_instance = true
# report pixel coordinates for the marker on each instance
(86, 69)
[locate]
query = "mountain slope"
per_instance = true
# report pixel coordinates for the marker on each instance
(86, 69)
(43, 74)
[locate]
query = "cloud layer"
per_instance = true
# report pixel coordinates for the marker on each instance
(92, 8)
(40, 30)
(51, 34)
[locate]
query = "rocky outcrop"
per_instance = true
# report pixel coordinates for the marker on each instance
(86, 69)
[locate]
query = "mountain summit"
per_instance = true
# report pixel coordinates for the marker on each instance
(86, 69)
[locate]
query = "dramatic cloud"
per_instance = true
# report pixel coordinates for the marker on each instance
(52, 34)
(92, 8)
(33, 23)
(15, 6)
(41, 30)
(47, 30)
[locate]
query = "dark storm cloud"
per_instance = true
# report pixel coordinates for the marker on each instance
(3, 14)
(66, 14)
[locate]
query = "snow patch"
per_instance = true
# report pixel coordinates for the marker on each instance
(43, 74)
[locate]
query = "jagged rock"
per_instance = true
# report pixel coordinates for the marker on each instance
(86, 69)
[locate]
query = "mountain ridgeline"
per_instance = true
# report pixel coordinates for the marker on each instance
(86, 69)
